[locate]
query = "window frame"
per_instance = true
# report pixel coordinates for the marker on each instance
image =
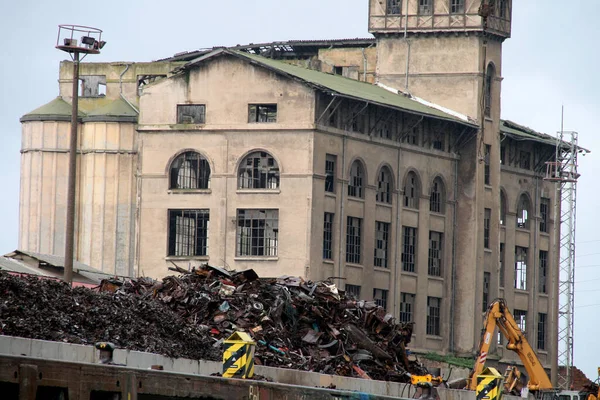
(436, 255)
(434, 316)
(409, 249)
(259, 177)
(180, 115)
(384, 186)
(487, 220)
(520, 317)
(393, 8)
(407, 307)
(330, 172)
(437, 201)
(523, 212)
(502, 266)
(202, 171)
(382, 244)
(269, 236)
(542, 331)
(328, 221)
(545, 215)
(353, 290)
(354, 240)
(422, 8)
(412, 191)
(198, 240)
(356, 180)
(486, 168)
(543, 272)
(486, 290)
(457, 6)
(270, 114)
(521, 254)
(381, 300)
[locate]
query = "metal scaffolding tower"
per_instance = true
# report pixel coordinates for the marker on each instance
(563, 171)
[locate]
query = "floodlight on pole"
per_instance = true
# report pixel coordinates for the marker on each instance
(91, 43)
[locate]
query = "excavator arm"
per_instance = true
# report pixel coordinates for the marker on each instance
(498, 315)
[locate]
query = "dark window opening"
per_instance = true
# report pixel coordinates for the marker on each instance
(541, 331)
(328, 236)
(407, 306)
(501, 269)
(258, 170)
(191, 114)
(266, 113)
(353, 240)
(521, 268)
(521, 320)
(384, 186)
(502, 208)
(411, 191)
(425, 7)
(436, 197)
(434, 305)
(457, 6)
(435, 253)
(525, 160)
(503, 8)
(543, 285)
(355, 184)
(382, 232)
(330, 161)
(409, 249)
(338, 70)
(394, 7)
(189, 171)
(489, 85)
(353, 291)
(503, 155)
(486, 290)
(523, 212)
(257, 232)
(545, 215)
(92, 85)
(438, 141)
(486, 159)
(188, 233)
(486, 227)
(380, 297)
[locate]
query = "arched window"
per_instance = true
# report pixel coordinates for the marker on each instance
(502, 208)
(523, 210)
(189, 171)
(489, 85)
(384, 186)
(356, 182)
(437, 197)
(412, 191)
(258, 170)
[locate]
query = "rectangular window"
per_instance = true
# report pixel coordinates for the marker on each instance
(257, 232)
(353, 240)
(328, 236)
(520, 319)
(191, 113)
(457, 6)
(437, 141)
(382, 230)
(380, 297)
(487, 217)
(407, 306)
(545, 215)
(433, 315)
(188, 233)
(353, 290)
(503, 155)
(525, 160)
(486, 290)
(425, 7)
(435, 253)
(543, 288)
(486, 159)
(409, 249)
(330, 161)
(501, 271)
(394, 7)
(541, 331)
(262, 113)
(521, 268)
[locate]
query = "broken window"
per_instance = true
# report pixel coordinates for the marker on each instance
(266, 113)
(503, 8)
(501, 267)
(457, 6)
(523, 212)
(434, 305)
(382, 233)
(191, 113)
(189, 170)
(486, 160)
(520, 268)
(545, 215)
(353, 291)
(409, 249)
(328, 236)
(92, 85)
(489, 85)
(143, 80)
(380, 297)
(543, 272)
(425, 7)
(435, 253)
(407, 305)
(412, 137)
(355, 184)
(188, 233)
(502, 208)
(257, 232)
(384, 186)
(353, 240)
(385, 130)
(394, 7)
(521, 319)
(487, 216)
(411, 191)
(541, 331)
(258, 170)
(502, 155)
(436, 197)
(438, 141)
(330, 161)
(486, 290)
(337, 70)
(524, 160)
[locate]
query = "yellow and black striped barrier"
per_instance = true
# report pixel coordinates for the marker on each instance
(489, 385)
(238, 356)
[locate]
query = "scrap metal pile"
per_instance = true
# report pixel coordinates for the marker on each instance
(295, 323)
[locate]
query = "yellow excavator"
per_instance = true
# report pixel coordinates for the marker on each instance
(498, 315)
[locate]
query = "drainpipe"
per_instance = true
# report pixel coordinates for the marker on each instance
(453, 295)
(398, 235)
(121, 88)
(341, 227)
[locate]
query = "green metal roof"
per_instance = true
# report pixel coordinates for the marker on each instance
(115, 111)
(521, 132)
(341, 86)
(56, 110)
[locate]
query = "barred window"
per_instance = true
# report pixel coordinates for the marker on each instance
(501, 269)
(188, 233)
(486, 159)
(487, 216)
(435, 253)
(189, 170)
(258, 170)
(330, 161)
(425, 7)
(394, 7)
(521, 268)
(262, 113)
(523, 212)
(412, 191)
(257, 232)
(436, 197)
(328, 236)
(541, 331)
(545, 215)
(380, 297)
(384, 186)
(409, 249)
(502, 208)
(457, 6)
(543, 288)
(353, 291)
(353, 240)
(382, 230)
(407, 306)
(521, 319)
(486, 290)
(355, 184)
(434, 305)
(191, 114)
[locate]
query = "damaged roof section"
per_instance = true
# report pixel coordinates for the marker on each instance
(520, 132)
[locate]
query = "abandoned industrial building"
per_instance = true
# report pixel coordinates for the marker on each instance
(358, 159)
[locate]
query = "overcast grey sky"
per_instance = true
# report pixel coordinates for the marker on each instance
(547, 63)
